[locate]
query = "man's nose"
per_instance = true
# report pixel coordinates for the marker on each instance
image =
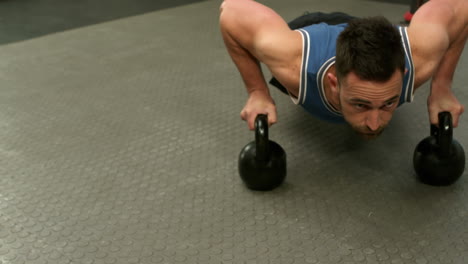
(373, 120)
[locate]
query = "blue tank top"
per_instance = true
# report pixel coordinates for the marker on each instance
(319, 50)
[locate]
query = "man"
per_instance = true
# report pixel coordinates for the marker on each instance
(370, 75)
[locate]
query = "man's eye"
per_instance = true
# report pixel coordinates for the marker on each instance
(360, 106)
(389, 104)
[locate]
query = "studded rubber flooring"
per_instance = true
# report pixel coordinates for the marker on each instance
(119, 144)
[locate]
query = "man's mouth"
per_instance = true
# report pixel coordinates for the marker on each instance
(372, 135)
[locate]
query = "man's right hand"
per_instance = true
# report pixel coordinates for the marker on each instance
(259, 102)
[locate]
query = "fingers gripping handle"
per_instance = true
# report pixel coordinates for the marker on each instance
(445, 137)
(261, 138)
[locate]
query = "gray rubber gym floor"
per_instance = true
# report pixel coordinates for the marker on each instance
(119, 144)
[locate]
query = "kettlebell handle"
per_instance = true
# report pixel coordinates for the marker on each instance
(261, 138)
(444, 133)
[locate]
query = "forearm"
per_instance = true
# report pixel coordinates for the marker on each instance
(443, 76)
(444, 24)
(441, 98)
(247, 65)
(241, 23)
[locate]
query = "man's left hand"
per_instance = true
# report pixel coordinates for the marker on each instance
(444, 102)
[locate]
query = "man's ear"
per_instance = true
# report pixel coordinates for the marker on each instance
(335, 90)
(334, 85)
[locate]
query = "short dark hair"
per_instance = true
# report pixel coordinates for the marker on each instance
(371, 48)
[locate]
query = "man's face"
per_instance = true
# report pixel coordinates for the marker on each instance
(368, 106)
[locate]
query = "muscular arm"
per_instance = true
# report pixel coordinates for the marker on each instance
(254, 33)
(240, 37)
(438, 35)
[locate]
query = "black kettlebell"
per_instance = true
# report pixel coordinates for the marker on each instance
(439, 159)
(262, 163)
